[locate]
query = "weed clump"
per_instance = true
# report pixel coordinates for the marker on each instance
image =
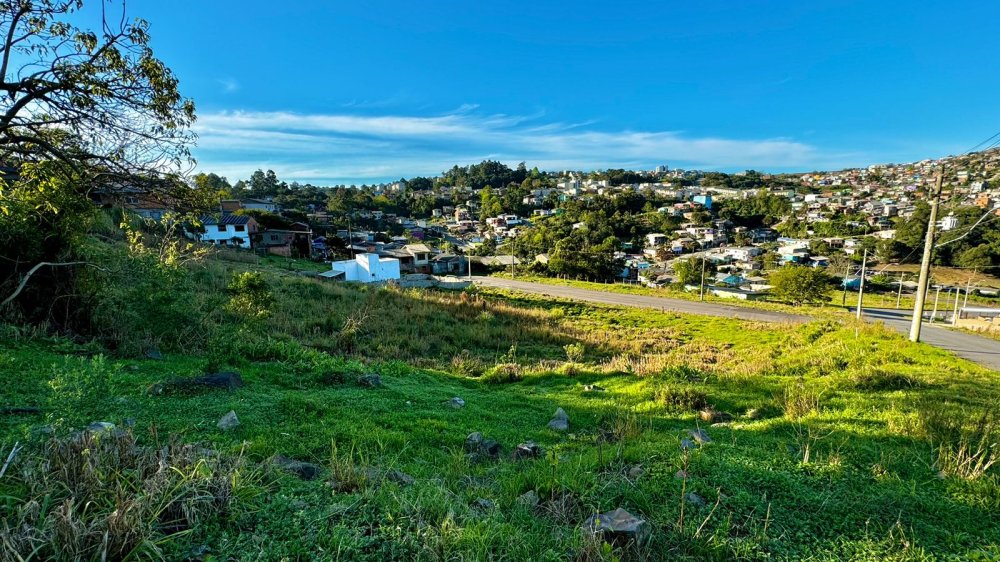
(681, 398)
(798, 401)
(503, 373)
(966, 447)
(82, 497)
(879, 380)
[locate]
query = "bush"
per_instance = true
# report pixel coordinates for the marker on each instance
(466, 364)
(574, 352)
(681, 398)
(250, 295)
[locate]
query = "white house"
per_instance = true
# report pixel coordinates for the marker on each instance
(228, 230)
(364, 268)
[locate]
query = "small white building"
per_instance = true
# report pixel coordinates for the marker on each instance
(364, 268)
(949, 223)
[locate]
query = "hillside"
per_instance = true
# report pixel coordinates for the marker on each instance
(825, 440)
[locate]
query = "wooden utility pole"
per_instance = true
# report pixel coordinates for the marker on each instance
(861, 288)
(701, 292)
(899, 294)
(925, 263)
(954, 315)
(511, 257)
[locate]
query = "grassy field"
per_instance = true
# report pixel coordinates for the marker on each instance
(828, 440)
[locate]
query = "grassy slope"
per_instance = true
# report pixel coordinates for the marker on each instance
(867, 490)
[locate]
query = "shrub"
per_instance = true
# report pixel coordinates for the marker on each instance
(799, 284)
(681, 398)
(250, 295)
(574, 352)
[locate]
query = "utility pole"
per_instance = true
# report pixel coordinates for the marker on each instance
(861, 288)
(512, 257)
(925, 263)
(843, 298)
(701, 292)
(968, 288)
(350, 239)
(899, 294)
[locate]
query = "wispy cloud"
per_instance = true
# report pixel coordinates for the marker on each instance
(352, 148)
(229, 85)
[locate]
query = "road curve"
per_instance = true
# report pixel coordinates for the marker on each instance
(640, 301)
(978, 349)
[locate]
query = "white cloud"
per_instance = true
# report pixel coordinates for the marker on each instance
(352, 148)
(229, 85)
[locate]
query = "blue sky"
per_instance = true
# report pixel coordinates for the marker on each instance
(359, 92)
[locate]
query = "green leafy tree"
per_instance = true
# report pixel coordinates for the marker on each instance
(799, 284)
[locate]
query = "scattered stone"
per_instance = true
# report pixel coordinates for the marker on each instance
(636, 472)
(694, 499)
(483, 504)
(101, 428)
(528, 499)
(478, 447)
(304, 470)
(593, 388)
(700, 436)
(527, 450)
(473, 442)
(154, 353)
(618, 527)
(229, 421)
(560, 421)
(370, 380)
(456, 402)
(400, 477)
(681, 475)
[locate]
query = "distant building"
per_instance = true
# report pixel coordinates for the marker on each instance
(949, 223)
(229, 230)
(364, 268)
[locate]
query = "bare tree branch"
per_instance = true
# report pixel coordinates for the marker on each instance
(33, 270)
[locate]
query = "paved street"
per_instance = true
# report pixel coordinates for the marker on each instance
(984, 351)
(641, 301)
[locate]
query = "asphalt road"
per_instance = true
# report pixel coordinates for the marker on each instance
(984, 351)
(640, 301)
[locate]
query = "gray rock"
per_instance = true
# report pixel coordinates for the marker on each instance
(618, 527)
(399, 477)
(490, 448)
(456, 402)
(528, 499)
(101, 428)
(370, 380)
(473, 442)
(153, 353)
(483, 504)
(229, 421)
(700, 436)
(694, 499)
(636, 472)
(527, 450)
(560, 421)
(304, 470)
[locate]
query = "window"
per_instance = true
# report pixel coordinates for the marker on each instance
(274, 238)
(132, 200)
(239, 228)
(221, 227)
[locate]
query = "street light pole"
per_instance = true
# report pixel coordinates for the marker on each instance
(925, 264)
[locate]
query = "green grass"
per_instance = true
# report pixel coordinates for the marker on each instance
(828, 457)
